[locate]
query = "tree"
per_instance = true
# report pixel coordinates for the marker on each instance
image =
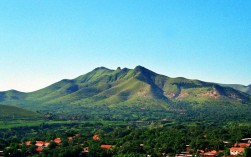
(52, 145)
(3, 143)
(247, 152)
(32, 149)
(13, 151)
(94, 149)
(227, 152)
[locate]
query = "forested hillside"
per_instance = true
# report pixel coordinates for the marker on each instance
(133, 94)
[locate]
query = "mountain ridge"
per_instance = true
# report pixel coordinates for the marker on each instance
(239, 87)
(103, 86)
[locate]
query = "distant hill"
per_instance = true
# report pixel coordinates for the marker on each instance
(11, 95)
(242, 88)
(12, 112)
(123, 87)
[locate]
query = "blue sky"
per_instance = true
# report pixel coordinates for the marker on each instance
(44, 41)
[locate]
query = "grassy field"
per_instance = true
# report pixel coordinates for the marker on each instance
(23, 123)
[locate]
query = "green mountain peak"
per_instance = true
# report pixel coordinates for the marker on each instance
(102, 68)
(103, 86)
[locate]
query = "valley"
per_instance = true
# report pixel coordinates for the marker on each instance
(125, 103)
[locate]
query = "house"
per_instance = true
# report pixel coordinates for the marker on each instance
(183, 155)
(242, 145)
(96, 137)
(212, 153)
(247, 140)
(39, 149)
(39, 143)
(46, 144)
(57, 140)
(236, 151)
(85, 150)
(106, 146)
(70, 138)
(28, 143)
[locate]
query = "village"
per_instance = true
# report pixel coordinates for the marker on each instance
(237, 150)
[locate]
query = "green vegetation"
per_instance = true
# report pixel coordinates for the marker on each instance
(242, 88)
(15, 113)
(123, 88)
(126, 140)
(136, 110)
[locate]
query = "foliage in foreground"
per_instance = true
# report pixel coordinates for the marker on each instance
(130, 141)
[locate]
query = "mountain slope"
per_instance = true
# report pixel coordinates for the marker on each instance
(11, 112)
(242, 88)
(11, 95)
(128, 87)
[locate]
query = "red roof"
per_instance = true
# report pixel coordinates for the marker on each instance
(237, 149)
(106, 146)
(70, 138)
(242, 145)
(46, 144)
(28, 143)
(39, 149)
(201, 151)
(95, 137)
(39, 143)
(57, 140)
(213, 152)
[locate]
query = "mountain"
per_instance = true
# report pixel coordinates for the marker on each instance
(11, 95)
(242, 88)
(123, 87)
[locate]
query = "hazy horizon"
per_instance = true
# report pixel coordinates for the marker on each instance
(43, 42)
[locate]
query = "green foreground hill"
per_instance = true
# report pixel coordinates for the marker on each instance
(113, 89)
(12, 112)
